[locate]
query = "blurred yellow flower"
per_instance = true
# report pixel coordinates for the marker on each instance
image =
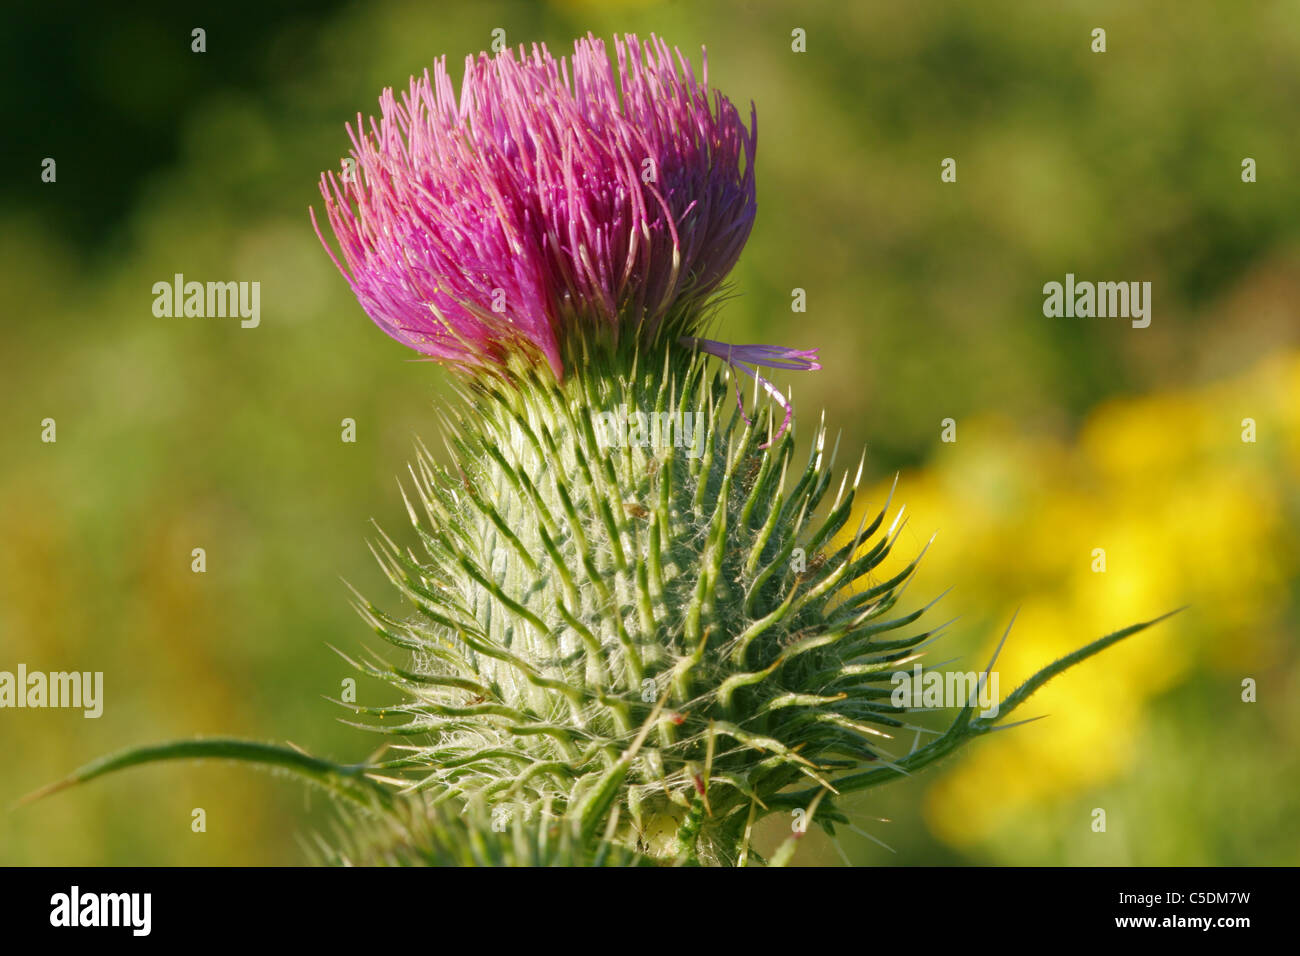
(1159, 503)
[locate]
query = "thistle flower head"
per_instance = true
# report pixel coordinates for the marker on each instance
(551, 198)
(621, 647)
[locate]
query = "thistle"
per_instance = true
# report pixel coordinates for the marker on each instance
(636, 622)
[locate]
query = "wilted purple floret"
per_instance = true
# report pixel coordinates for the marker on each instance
(750, 358)
(549, 198)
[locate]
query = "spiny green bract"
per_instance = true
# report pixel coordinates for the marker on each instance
(664, 627)
(421, 833)
(632, 650)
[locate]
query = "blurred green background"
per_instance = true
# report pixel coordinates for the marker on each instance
(925, 297)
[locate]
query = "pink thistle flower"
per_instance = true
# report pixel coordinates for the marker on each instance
(551, 198)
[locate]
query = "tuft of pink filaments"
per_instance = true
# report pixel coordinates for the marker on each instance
(549, 198)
